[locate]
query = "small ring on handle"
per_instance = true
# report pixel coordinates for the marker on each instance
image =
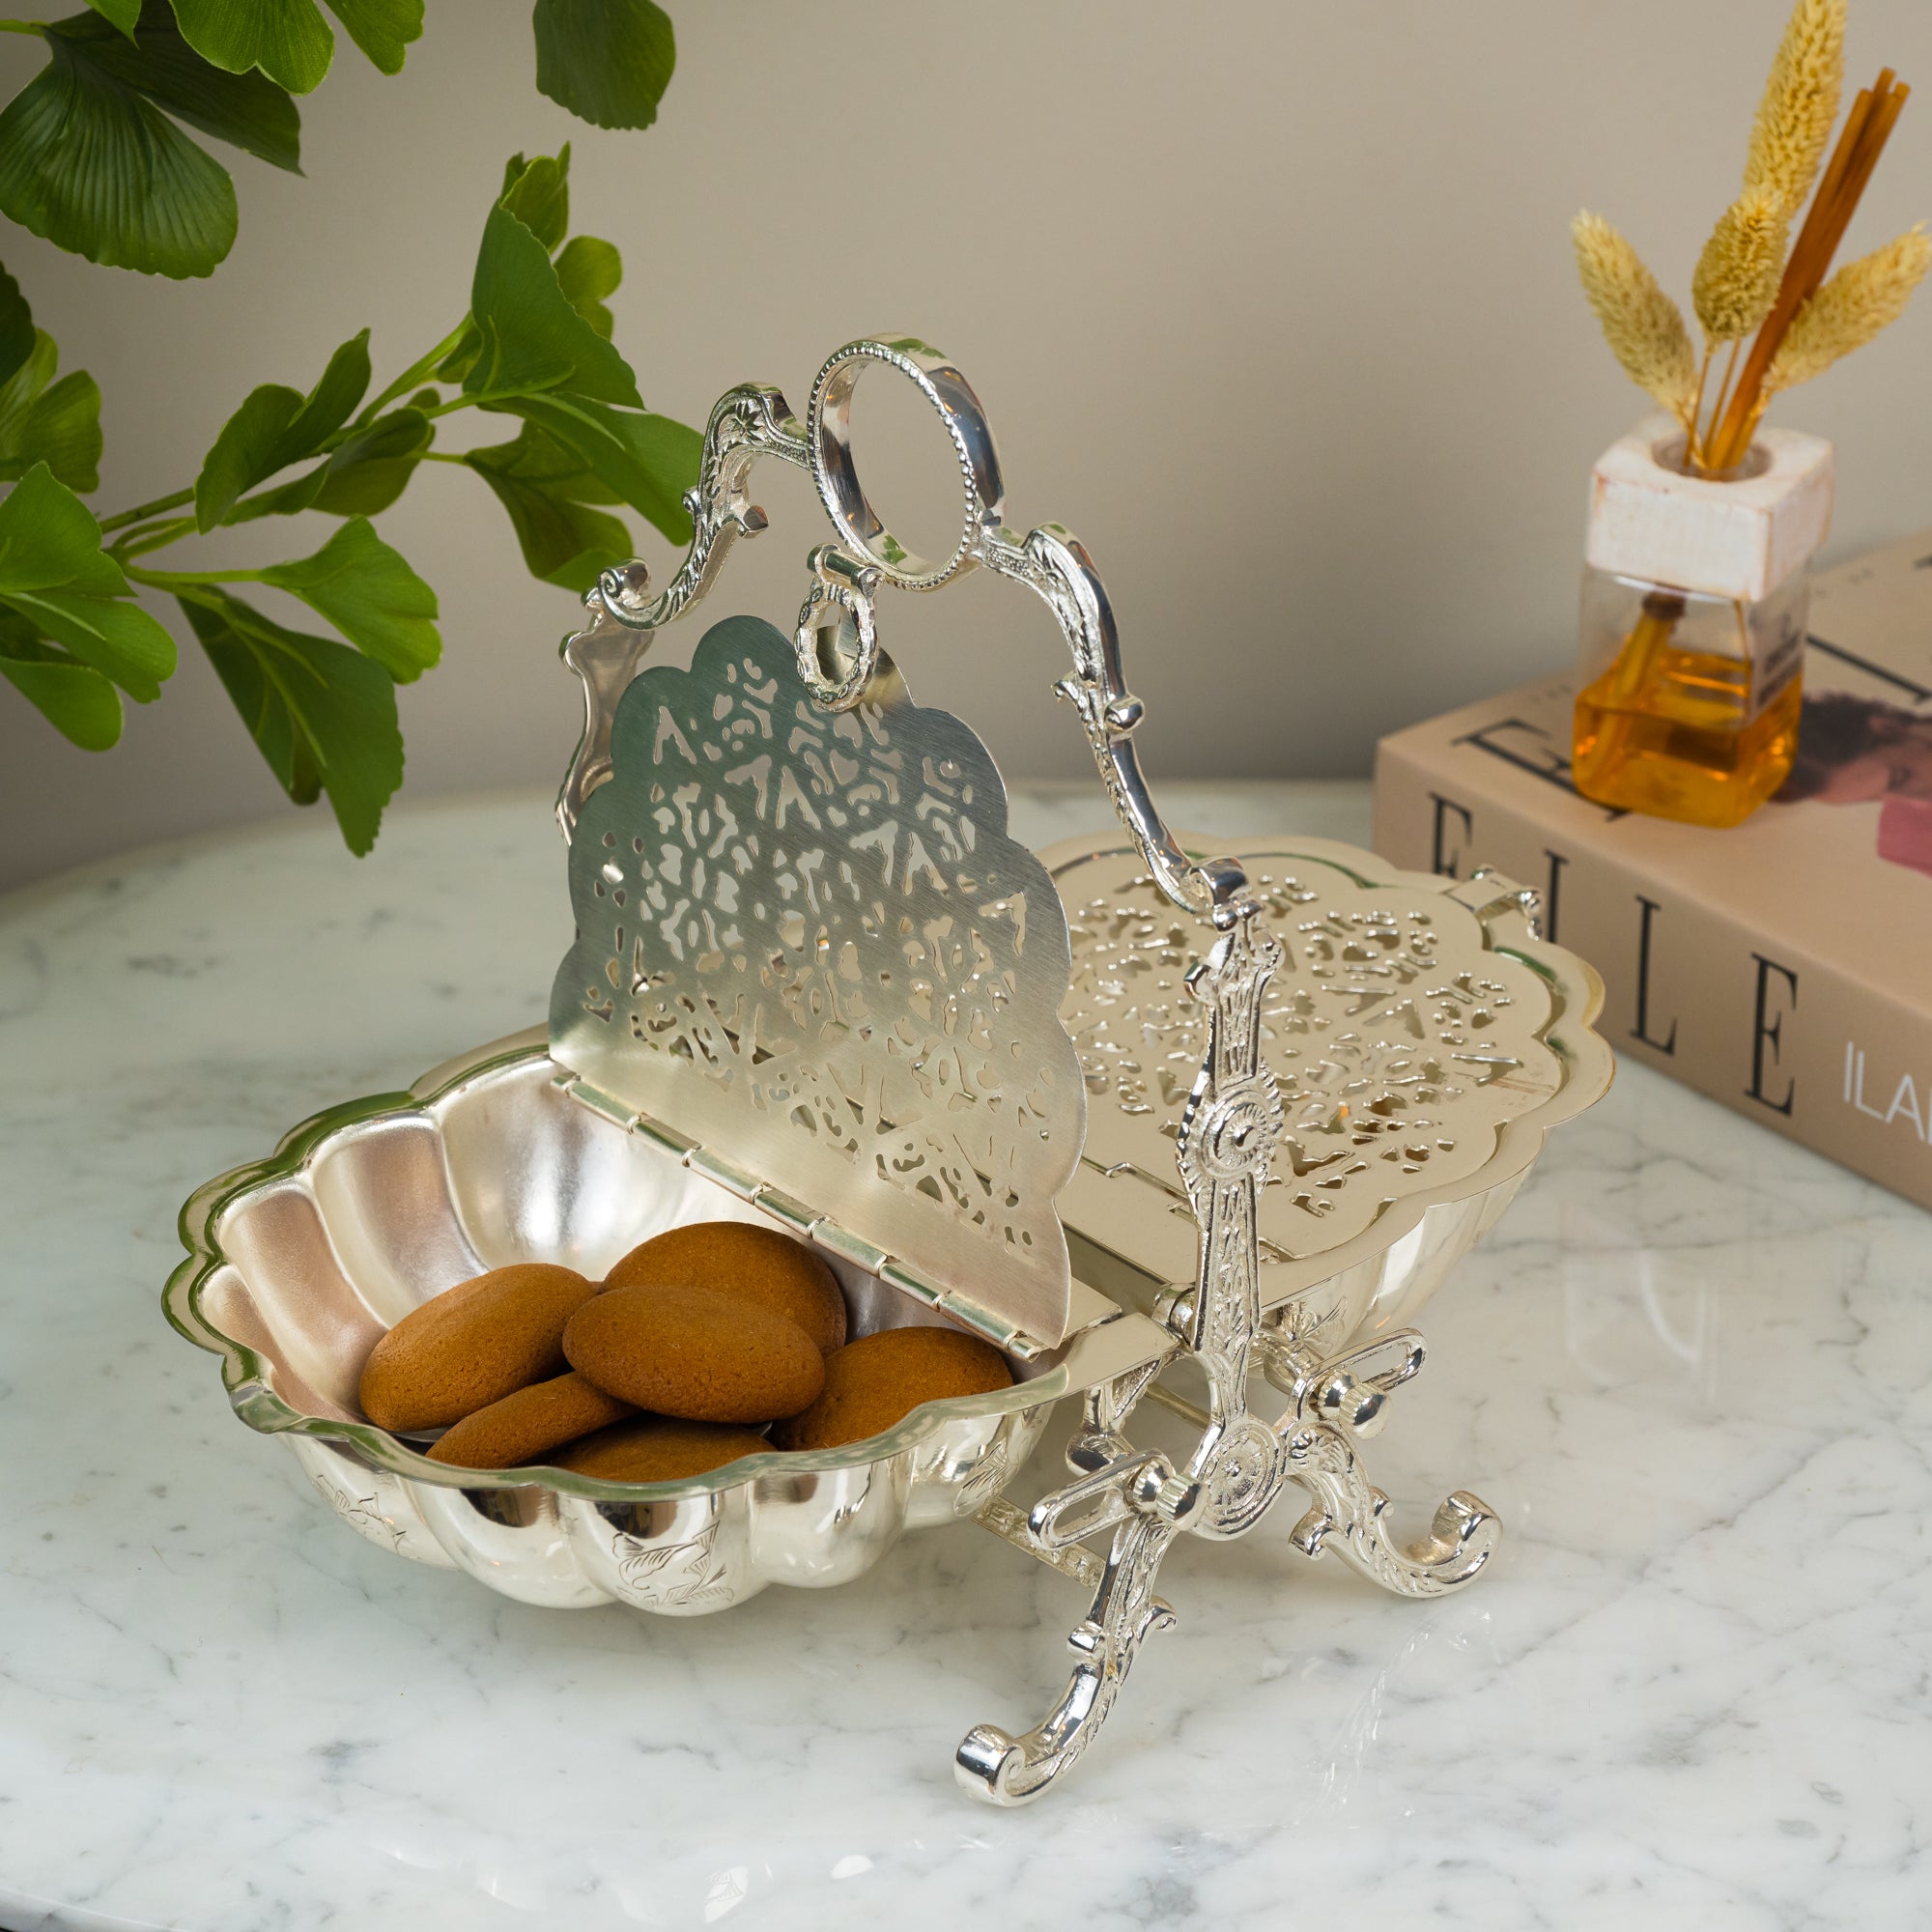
(836, 617)
(829, 443)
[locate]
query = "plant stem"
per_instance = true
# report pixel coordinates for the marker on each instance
(471, 402)
(1693, 449)
(140, 532)
(186, 593)
(141, 512)
(138, 542)
(412, 375)
(24, 27)
(169, 579)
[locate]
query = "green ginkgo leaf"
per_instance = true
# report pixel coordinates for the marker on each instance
(112, 633)
(48, 538)
(369, 472)
(277, 426)
(324, 716)
(73, 697)
(538, 194)
(97, 169)
(54, 572)
(542, 486)
(123, 13)
(383, 29)
(530, 337)
(245, 110)
(57, 423)
(17, 332)
(363, 475)
(370, 594)
(649, 459)
(588, 270)
(607, 60)
(288, 40)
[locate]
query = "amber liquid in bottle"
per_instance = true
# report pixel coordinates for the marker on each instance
(1669, 732)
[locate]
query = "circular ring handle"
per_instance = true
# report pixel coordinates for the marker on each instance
(829, 439)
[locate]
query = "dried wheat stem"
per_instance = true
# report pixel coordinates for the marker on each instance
(1736, 274)
(1644, 326)
(1863, 297)
(1801, 101)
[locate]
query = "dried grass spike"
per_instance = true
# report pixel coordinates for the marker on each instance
(1862, 298)
(1644, 326)
(1738, 272)
(1801, 101)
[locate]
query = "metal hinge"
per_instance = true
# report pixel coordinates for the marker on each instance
(806, 1221)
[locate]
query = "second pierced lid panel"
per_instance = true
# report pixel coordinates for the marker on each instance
(1401, 1042)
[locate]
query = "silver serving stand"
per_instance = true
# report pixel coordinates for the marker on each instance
(1116, 1107)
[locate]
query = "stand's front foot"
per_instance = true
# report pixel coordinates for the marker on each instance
(1007, 1769)
(1335, 1402)
(1347, 1516)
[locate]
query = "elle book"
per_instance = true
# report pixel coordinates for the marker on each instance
(1783, 967)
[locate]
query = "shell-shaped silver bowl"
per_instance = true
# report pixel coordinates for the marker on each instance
(298, 1263)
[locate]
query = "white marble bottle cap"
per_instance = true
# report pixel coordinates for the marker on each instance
(1739, 539)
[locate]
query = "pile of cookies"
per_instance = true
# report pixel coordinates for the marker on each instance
(671, 1366)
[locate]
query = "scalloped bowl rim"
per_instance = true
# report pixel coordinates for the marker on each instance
(245, 1370)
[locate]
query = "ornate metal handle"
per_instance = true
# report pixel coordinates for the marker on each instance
(754, 420)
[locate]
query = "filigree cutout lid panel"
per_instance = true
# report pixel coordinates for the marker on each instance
(1400, 1042)
(806, 942)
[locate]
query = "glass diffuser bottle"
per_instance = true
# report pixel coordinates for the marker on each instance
(1691, 638)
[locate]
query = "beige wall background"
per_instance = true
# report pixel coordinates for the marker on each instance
(1271, 302)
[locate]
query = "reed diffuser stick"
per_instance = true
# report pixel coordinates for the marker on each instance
(1867, 128)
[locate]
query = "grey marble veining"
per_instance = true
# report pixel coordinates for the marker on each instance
(1692, 1370)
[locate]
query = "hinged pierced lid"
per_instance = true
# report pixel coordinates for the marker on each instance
(1405, 1029)
(806, 946)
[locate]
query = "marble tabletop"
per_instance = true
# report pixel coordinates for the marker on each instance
(1690, 1371)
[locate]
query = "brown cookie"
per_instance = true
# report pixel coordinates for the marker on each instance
(755, 1263)
(879, 1380)
(694, 1352)
(520, 1427)
(658, 1449)
(473, 1345)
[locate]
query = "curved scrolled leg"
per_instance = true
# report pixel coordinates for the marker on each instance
(1005, 1770)
(1348, 1516)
